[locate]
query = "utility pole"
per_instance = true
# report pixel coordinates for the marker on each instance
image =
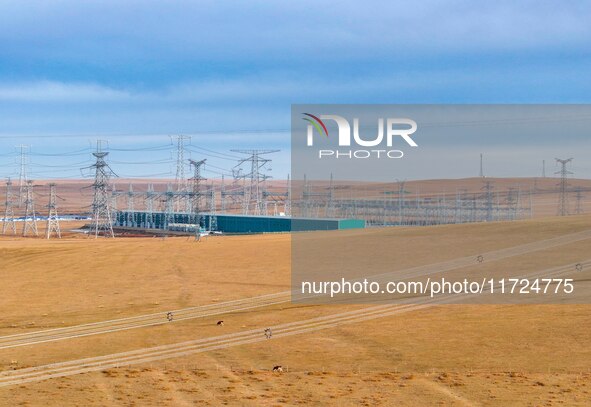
(30, 221)
(481, 165)
(543, 168)
(101, 204)
(8, 210)
(53, 223)
(254, 191)
(563, 186)
(196, 195)
(22, 177)
(287, 204)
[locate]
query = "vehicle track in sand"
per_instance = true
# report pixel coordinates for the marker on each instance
(93, 364)
(154, 319)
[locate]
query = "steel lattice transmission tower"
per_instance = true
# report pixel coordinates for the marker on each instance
(563, 187)
(22, 177)
(488, 200)
(579, 197)
(30, 221)
(102, 219)
(130, 221)
(180, 179)
(169, 197)
(150, 197)
(401, 201)
(213, 219)
(254, 189)
(8, 210)
(53, 223)
(196, 195)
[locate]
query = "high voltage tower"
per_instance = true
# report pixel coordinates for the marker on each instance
(183, 205)
(196, 195)
(235, 192)
(579, 202)
(169, 198)
(114, 195)
(312, 200)
(180, 179)
(8, 210)
(53, 223)
(401, 195)
(22, 176)
(396, 205)
(563, 186)
(30, 221)
(213, 219)
(276, 198)
(102, 219)
(254, 190)
(150, 197)
(287, 205)
(489, 199)
(223, 195)
(130, 206)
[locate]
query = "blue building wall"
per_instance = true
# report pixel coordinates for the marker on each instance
(228, 223)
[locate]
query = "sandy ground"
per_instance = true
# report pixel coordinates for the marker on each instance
(446, 355)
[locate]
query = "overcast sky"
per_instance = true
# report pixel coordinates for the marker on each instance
(228, 72)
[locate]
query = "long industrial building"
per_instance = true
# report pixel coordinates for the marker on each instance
(231, 223)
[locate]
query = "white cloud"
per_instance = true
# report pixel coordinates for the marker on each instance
(48, 91)
(305, 30)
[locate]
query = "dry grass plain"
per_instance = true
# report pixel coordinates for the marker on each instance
(446, 355)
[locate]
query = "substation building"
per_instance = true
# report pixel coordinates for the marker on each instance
(229, 223)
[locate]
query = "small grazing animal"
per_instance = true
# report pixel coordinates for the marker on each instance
(220, 323)
(278, 369)
(169, 316)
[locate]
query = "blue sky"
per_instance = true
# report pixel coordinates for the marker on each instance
(134, 72)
